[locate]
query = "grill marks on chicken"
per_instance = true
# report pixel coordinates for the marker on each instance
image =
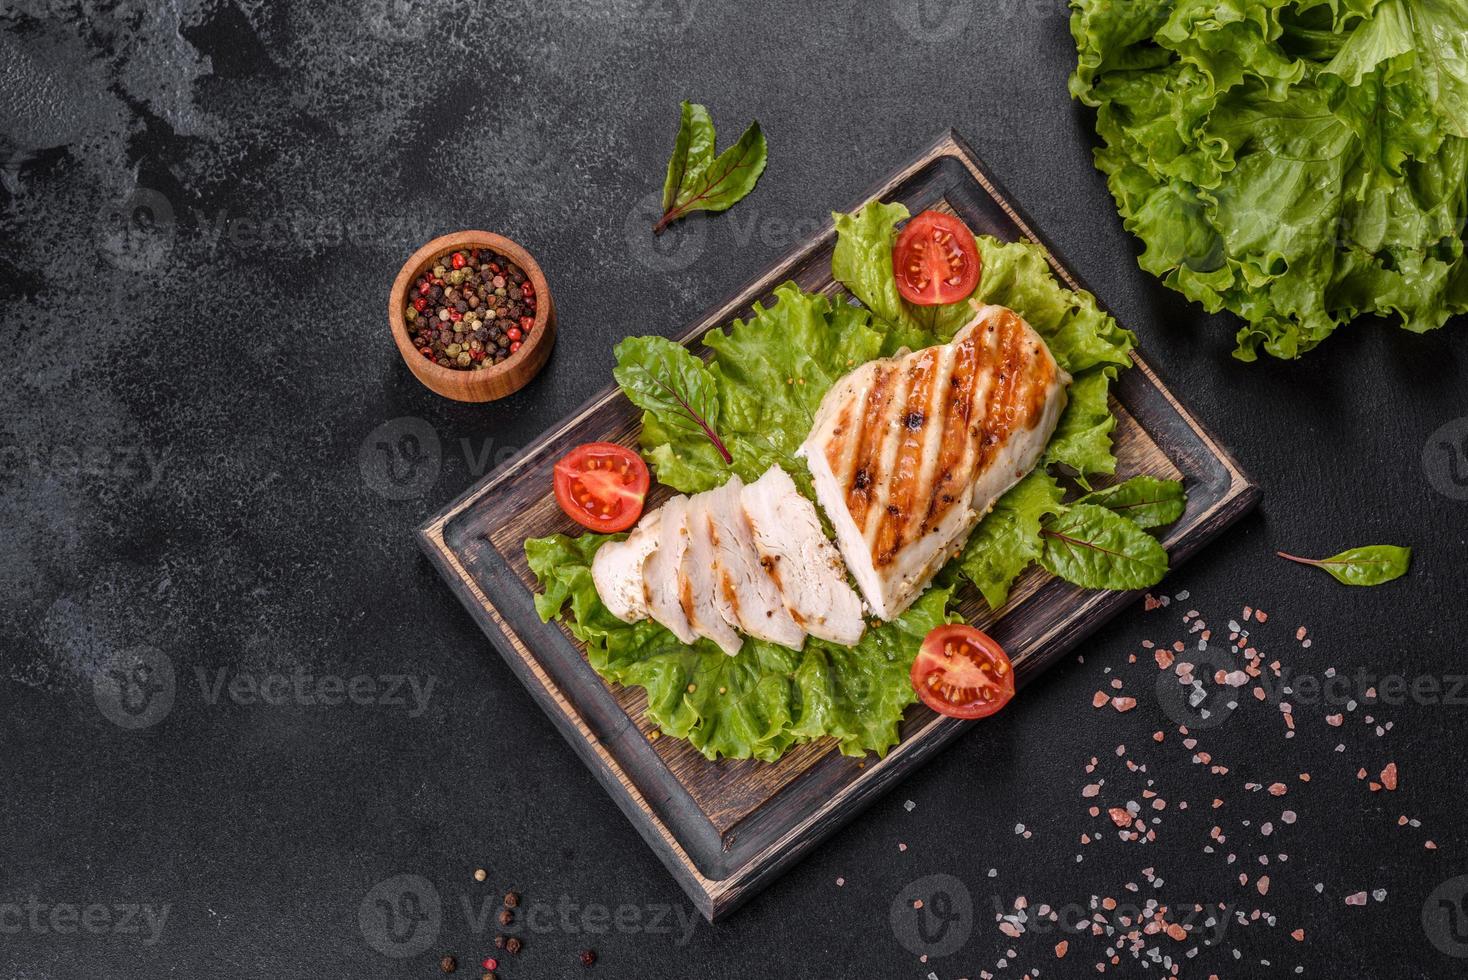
(909, 452)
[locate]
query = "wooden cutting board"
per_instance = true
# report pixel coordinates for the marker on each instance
(726, 829)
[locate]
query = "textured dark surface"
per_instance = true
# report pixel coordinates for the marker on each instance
(204, 204)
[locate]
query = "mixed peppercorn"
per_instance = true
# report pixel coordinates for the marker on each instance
(510, 944)
(473, 309)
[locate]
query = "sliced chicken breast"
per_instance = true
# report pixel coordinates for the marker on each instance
(908, 452)
(617, 570)
(806, 567)
(745, 593)
(699, 593)
(662, 572)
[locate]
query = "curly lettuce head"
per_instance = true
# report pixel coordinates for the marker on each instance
(1299, 162)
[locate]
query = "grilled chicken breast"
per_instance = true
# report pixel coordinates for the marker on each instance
(908, 452)
(699, 592)
(662, 572)
(804, 564)
(744, 591)
(617, 569)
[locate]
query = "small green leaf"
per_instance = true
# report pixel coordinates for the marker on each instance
(699, 181)
(693, 151)
(1372, 564)
(662, 377)
(1098, 549)
(1146, 501)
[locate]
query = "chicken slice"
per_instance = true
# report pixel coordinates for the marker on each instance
(908, 452)
(806, 567)
(617, 570)
(699, 592)
(744, 591)
(661, 578)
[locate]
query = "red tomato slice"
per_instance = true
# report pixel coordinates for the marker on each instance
(936, 260)
(602, 485)
(962, 673)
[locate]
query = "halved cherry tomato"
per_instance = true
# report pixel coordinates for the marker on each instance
(936, 260)
(962, 673)
(602, 485)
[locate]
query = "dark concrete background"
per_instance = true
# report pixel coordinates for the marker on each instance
(204, 204)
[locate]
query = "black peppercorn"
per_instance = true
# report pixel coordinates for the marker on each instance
(511, 900)
(506, 917)
(514, 945)
(448, 964)
(588, 957)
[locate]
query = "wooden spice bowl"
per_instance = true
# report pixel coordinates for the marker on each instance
(487, 384)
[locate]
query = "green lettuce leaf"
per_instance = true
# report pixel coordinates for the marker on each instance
(753, 705)
(1146, 501)
(1007, 540)
(1082, 439)
(1096, 548)
(1301, 163)
(673, 387)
